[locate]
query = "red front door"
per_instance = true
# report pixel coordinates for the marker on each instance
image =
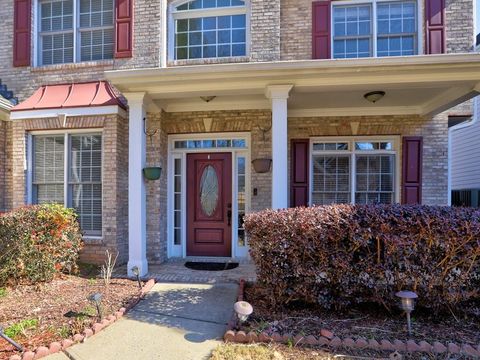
(209, 204)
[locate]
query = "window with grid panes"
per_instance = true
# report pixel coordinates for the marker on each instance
(356, 33)
(75, 30)
(83, 175)
(210, 29)
(353, 172)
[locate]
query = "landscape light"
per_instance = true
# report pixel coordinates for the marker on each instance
(407, 304)
(243, 309)
(136, 272)
(97, 299)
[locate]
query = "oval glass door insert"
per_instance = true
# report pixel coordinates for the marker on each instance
(209, 190)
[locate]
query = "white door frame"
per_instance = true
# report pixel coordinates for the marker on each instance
(181, 250)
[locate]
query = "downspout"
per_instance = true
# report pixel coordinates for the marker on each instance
(476, 115)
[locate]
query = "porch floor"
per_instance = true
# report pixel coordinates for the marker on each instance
(174, 271)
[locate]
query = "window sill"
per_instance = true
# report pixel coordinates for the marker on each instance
(93, 240)
(74, 66)
(209, 61)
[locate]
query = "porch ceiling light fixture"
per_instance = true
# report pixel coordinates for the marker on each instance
(96, 298)
(262, 166)
(407, 304)
(136, 272)
(207, 99)
(374, 96)
(243, 310)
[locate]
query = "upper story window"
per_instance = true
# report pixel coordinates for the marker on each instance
(209, 29)
(75, 30)
(375, 28)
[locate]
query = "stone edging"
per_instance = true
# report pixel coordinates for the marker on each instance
(328, 339)
(87, 333)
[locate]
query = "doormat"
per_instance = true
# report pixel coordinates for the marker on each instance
(210, 266)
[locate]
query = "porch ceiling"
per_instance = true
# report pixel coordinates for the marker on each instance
(423, 85)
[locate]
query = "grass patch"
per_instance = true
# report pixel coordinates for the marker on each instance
(21, 328)
(266, 352)
(3, 292)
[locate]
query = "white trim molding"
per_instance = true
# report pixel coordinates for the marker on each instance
(76, 111)
(180, 250)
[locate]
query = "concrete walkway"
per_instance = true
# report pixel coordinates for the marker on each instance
(173, 322)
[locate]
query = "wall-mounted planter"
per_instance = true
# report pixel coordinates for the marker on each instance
(152, 173)
(262, 165)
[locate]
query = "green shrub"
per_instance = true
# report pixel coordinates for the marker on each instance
(339, 255)
(21, 328)
(36, 242)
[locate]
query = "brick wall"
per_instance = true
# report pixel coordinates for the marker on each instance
(24, 80)
(434, 132)
(3, 165)
(115, 177)
(296, 27)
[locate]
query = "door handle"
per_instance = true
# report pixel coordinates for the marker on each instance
(229, 214)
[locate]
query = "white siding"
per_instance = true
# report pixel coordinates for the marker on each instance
(466, 154)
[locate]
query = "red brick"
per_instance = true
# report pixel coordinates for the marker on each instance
(412, 346)
(87, 333)
(28, 355)
(66, 343)
(111, 318)
(439, 348)
(387, 345)
(118, 314)
(348, 342)
(470, 350)
(263, 337)
(78, 337)
(41, 352)
(229, 336)
(241, 337)
(276, 337)
(361, 343)
(55, 347)
(399, 345)
(15, 357)
(311, 340)
(336, 342)
(252, 337)
(425, 346)
(323, 341)
(453, 348)
(373, 344)
(97, 327)
(327, 333)
(286, 337)
(298, 339)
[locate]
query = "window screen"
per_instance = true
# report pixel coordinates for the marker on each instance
(85, 181)
(374, 179)
(331, 179)
(48, 169)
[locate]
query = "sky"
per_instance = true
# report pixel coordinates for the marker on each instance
(478, 17)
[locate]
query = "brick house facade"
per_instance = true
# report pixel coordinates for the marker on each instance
(207, 97)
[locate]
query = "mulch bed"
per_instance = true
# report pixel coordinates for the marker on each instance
(61, 308)
(366, 322)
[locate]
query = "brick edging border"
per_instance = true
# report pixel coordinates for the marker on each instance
(55, 347)
(328, 339)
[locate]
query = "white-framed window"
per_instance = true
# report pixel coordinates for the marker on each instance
(375, 28)
(75, 30)
(202, 29)
(354, 170)
(67, 169)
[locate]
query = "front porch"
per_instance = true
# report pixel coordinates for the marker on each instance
(292, 113)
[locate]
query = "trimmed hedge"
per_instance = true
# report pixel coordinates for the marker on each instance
(340, 255)
(36, 242)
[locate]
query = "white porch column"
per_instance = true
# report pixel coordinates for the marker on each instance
(137, 219)
(278, 94)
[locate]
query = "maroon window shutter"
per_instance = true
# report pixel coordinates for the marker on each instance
(22, 32)
(299, 173)
(321, 30)
(123, 28)
(435, 26)
(412, 170)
